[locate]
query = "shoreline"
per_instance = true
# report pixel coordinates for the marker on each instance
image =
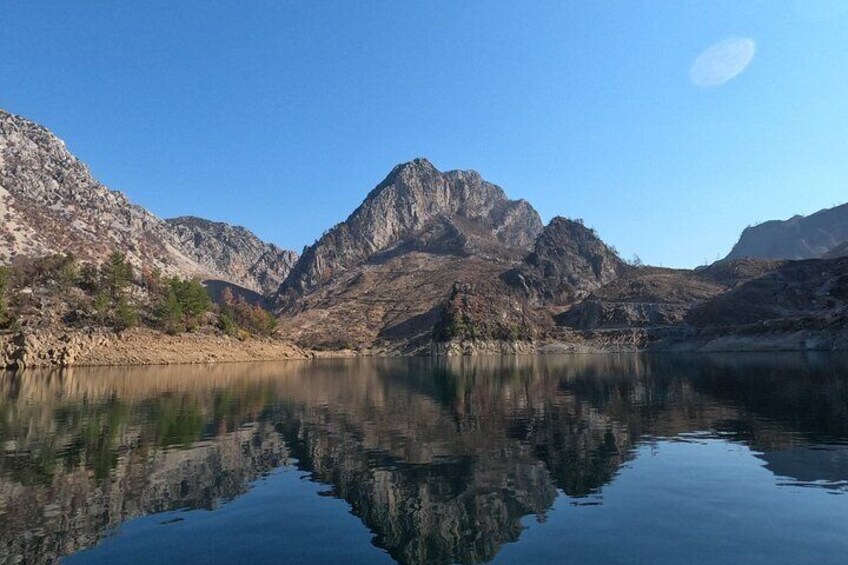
(145, 347)
(138, 347)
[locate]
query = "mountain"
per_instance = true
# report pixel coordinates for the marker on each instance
(568, 261)
(443, 254)
(838, 251)
(800, 237)
(419, 208)
(386, 273)
(51, 203)
(247, 260)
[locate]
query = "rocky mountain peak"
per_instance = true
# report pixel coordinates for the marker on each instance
(453, 212)
(568, 261)
(51, 203)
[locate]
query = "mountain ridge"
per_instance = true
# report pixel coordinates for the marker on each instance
(51, 203)
(797, 238)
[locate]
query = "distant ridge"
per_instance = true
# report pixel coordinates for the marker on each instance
(800, 237)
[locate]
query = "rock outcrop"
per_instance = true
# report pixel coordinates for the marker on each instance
(800, 237)
(568, 261)
(236, 251)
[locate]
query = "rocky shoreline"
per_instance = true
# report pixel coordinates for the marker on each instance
(137, 347)
(149, 347)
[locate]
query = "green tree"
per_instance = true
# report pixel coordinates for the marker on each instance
(226, 322)
(102, 306)
(126, 315)
(170, 313)
(116, 274)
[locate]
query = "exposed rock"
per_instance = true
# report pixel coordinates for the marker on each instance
(50, 203)
(456, 212)
(800, 237)
(568, 261)
(247, 260)
(135, 347)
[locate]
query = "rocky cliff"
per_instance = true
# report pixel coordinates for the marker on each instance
(247, 260)
(568, 261)
(419, 208)
(51, 203)
(800, 237)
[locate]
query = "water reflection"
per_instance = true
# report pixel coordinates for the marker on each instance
(440, 460)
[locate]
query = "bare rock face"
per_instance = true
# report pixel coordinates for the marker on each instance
(418, 207)
(568, 261)
(51, 203)
(800, 237)
(247, 260)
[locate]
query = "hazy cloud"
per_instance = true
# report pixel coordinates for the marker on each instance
(722, 61)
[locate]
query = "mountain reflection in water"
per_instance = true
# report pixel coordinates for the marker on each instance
(441, 460)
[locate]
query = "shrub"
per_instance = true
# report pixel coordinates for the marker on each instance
(4, 302)
(251, 318)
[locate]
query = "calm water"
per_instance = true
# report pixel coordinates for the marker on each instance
(652, 459)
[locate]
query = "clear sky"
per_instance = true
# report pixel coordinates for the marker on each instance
(281, 116)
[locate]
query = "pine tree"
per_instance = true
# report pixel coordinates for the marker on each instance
(116, 274)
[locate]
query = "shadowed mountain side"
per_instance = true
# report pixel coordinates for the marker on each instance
(801, 293)
(654, 297)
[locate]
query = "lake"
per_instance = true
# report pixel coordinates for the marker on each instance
(586, 458)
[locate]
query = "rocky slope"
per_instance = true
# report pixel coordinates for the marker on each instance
(51, 203)
(568, 261)
(800, 237)
(655, 297)
(836, 252)
(418, 208)
(236, 251)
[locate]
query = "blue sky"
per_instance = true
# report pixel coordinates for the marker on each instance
(281, 116)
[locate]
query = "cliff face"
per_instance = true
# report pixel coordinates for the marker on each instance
(800, 237)
(247, 260)
(420, 208)
(51, 203)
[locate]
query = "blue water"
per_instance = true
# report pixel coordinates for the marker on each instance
(589, 459)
